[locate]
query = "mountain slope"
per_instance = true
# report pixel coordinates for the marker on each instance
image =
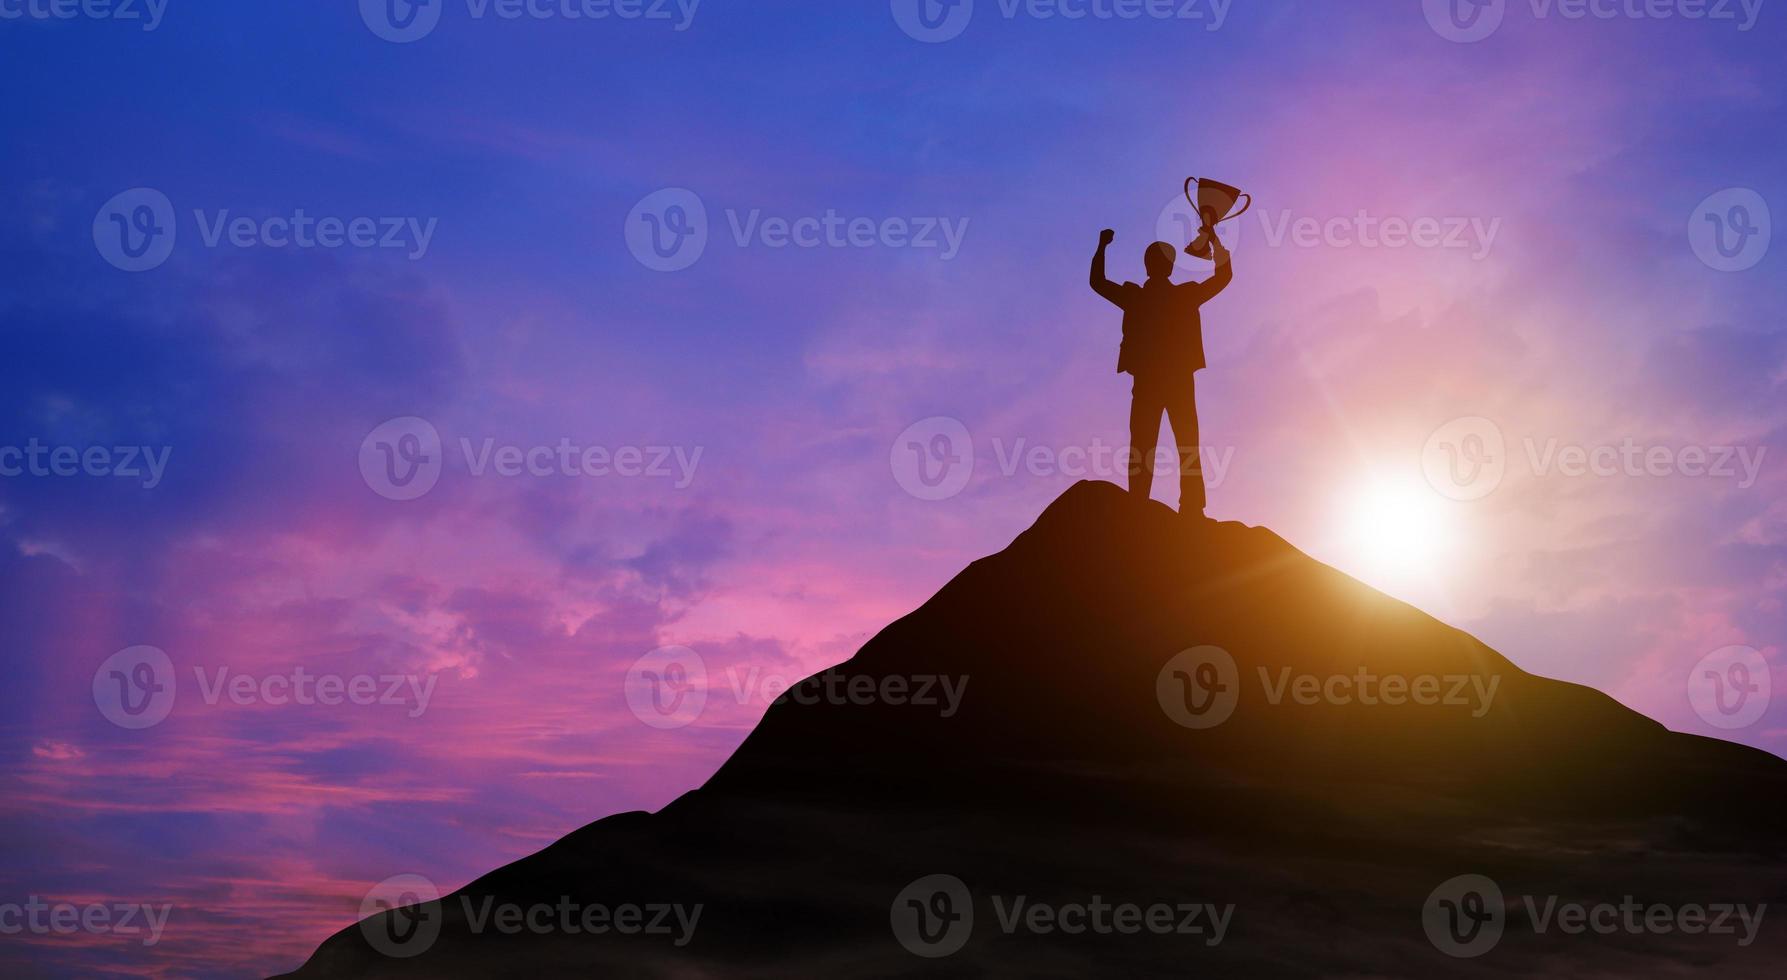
(1281, 769)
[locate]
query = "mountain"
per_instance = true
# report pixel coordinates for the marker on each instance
(1178, 748)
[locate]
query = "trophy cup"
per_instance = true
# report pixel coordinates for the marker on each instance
(1212, 203)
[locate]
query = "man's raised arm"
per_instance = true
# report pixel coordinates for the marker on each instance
(1225, 272)
(1100, 285)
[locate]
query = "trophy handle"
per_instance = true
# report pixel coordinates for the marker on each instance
(1244, 207)
(1189, 181)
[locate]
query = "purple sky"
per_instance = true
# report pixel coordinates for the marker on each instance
(1516, 240)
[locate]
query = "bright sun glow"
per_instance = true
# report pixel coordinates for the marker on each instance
(1395, 532)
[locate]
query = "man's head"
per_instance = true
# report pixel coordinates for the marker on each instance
(1159, 260)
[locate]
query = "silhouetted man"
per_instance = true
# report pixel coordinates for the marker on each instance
(1163, 345)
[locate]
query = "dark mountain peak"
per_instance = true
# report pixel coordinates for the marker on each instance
(1115, 632)
(1125, 701)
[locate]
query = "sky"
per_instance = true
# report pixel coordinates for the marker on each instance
(379, 386)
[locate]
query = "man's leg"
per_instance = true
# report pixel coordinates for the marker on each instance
(1182, 413)
(1145, 408)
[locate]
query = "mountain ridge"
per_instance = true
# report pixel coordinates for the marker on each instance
(1072, 761)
